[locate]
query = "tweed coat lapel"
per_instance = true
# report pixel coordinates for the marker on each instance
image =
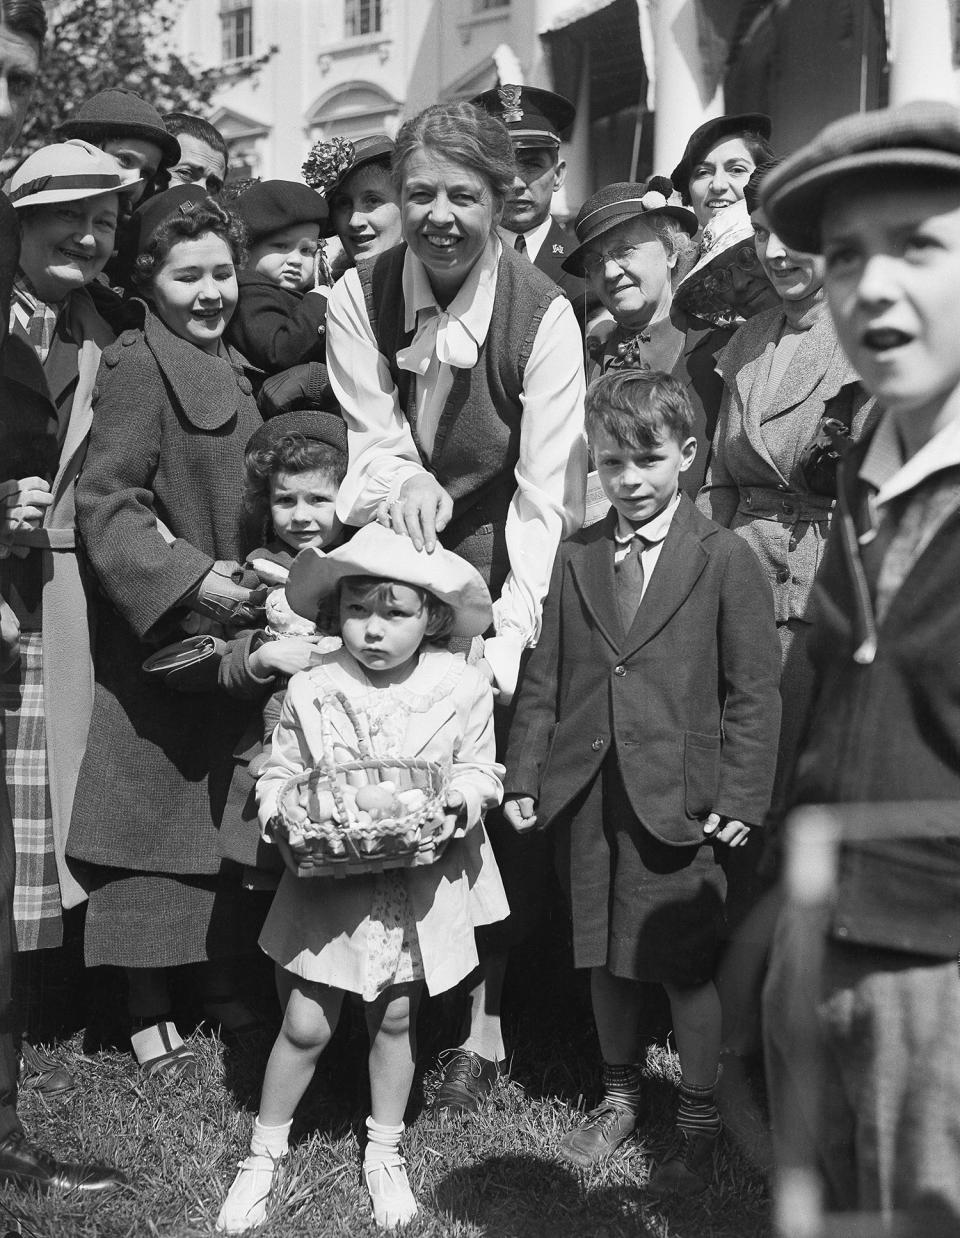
(818, 362)
(678, 569)
(206, 388)
(82, 323)
(591, 564)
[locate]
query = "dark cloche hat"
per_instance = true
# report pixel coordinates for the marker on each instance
(320, 427)
(269, 206)
(918, 136)
(615, 204)
(148, 217)
(121, 113)
(534, 117)
(709, 134)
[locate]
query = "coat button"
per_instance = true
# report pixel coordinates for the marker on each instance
(597, 744)
(783, 575)
(128, 338)
(619, 670)
(245, 385)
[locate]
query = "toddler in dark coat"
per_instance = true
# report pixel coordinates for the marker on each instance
(295, 464)
(645, 734)
(279, 321)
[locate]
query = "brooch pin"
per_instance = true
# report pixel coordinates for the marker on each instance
(558, 249)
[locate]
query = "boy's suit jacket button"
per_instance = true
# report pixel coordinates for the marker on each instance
(619, 670)
(597, 744)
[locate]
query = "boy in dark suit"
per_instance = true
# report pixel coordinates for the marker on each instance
(645, 734)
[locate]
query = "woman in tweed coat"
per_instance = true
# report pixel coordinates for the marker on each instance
(173, 413)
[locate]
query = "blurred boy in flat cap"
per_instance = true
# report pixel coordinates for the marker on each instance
(536, 120)
(879, 196)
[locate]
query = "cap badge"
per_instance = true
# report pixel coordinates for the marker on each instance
(509, 97)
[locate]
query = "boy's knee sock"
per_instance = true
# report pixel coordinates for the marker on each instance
(270, 1140)
(383, 1142)
(697, 1113)
(621, 1085)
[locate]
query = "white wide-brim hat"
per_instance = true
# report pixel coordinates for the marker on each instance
(381, 553)
(67, 172)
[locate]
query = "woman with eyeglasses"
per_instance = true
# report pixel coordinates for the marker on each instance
(772, 480)
(633, 241)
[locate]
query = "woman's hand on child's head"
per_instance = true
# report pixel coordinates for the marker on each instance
(421, 511)
(521, 813)
(454, 815)
(285, 656)
(22, 503)
(726, 830)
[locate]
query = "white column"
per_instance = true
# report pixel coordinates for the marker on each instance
(680, 87)
(920, 38)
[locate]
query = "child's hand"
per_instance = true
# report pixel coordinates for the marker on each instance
(454, 816)
(284, 657)
(733, 833)
(22, 503)
(520, 811)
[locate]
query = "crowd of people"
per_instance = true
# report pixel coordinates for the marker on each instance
(294, 476)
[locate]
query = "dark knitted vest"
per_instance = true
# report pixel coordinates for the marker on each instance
(477, 443)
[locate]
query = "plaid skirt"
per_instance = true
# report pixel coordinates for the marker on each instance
(36, 899)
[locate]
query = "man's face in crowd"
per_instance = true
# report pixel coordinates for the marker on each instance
(199, 165)
(19, 66)
(892, 252)
(539, 175)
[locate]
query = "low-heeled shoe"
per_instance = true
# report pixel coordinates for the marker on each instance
(22, 1163)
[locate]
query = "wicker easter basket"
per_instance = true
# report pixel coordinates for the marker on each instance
(348, 841)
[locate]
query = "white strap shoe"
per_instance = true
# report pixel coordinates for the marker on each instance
(390, 1194)
(245, 1207)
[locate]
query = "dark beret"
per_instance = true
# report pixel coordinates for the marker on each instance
(320, 427)
(709, 134)
(269, 206)
(924, 135)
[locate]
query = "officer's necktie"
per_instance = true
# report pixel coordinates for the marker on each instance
(520, 244)
(630, 582)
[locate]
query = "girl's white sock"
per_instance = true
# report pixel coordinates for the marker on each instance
(270, 1140)
(383, 1142)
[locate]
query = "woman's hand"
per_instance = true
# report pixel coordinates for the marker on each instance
(219, 597)
(284, 657)
(23, 503)
(521, 813)
(422, 510)
(733, 833)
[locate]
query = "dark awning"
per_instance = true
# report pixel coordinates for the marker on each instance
(611, 29)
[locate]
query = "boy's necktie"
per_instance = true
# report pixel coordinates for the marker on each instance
(520, 244)
(630, 582)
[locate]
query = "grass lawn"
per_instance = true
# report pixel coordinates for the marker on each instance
(497, 1175)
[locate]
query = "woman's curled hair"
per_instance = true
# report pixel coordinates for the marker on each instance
(189, 220)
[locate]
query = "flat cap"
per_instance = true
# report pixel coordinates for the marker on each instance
(922, 135)
(269, 206)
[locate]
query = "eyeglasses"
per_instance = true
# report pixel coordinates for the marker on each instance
(595, 261)
(745, 259)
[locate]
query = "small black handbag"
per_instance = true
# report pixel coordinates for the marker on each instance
(188, 665)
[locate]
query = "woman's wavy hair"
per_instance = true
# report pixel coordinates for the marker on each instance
(465, 135)
(191, 219)
(759, 147)
(677, 242)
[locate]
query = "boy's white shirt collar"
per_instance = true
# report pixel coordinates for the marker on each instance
(454, 334)
(655, 529)
(884, 465)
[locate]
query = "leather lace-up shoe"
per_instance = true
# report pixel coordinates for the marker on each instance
(466, 1079)
(24, 1164)
(41, 1073)
(689, 1167)
(603, 1131)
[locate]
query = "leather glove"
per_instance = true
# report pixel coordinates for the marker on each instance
(301, 386)
(220, 597)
